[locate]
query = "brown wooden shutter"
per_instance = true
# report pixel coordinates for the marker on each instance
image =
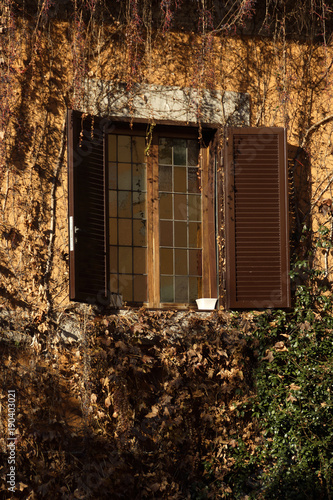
(256, 218)
(87, 191)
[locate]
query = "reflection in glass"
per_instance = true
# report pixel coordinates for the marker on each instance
(166, 236)
(125, 287)
(112, 176)
(195, 262)
(180, 207)
(193, 180)
(194, 207)
(125, 231)
(180, 179)
(125, 260)
(124, 176)
(167, 294)
(139, 232)
(139, 260)
(181, 289)
(139, 177)
(180, 234)
(165, 178)
(193, 152)
(139, 205)
(179, 151)
(165, 206)
(140, 288)
(165, 151)
(166, 260)
(138, 149)
(124, 204)
(181, 261)
(124, 148)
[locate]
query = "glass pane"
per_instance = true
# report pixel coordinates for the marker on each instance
(179, 151)
(180, 179)
(140, 288)
(139, 233)
(139, 260)
(181, 289)
(113, 283)
(194, 207)
(166, 260)
(194, 285)
(139, 205)
(165, 206)
(113, 260)
(124, 148)
(112, 176)
(194, 233)
(180, 207)
(125, 260)
(165, 178)
(165, 151)
(112, 147)
(125, 231)
(125, 287)
(113, 203)
(138, 149)
(166, 236)
(193, 152)
(193, 180)
(113, 231)
(124, 176)
(124, 204)
(167, 289)
(180, 234)
(139, 177)
(195, 263)
(180, 261)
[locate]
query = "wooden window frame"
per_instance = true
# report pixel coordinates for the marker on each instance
(207, 169)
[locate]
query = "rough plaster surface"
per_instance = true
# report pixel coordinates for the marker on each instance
(166, 103)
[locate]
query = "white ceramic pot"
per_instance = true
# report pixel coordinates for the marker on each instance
(206, 304)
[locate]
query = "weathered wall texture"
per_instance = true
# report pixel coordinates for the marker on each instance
(47, 69)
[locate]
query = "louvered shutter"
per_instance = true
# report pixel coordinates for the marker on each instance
(256, 218)
(87, 209)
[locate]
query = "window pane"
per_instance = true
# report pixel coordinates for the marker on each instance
(180, 261)
(165, 178)
(193, 180)
(193, 152)
(179, 151)
(125, 231)
(138, 149)
(125, 260)
(139, 233)
(194, 207)
(125, 287)
(139, 177)
(180, 234)
(167, 289)
(166, 260)
(165, 151)
(112, 176)
(113, 259)
(112, 147)
(124, 204)
(195, 288)
(195, 263)
(113, 203)
(124, 176)
(166, 236)
(180, 207)
(165, 206)
(139, 260)
(140, 288)
(113, 231)
(180, 179)
(194, 234)
(181, 289)
(124, 148)
(139, 205)
(113, 283)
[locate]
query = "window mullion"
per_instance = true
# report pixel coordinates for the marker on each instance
(153, 226)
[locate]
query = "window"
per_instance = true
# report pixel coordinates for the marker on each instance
(144, 226)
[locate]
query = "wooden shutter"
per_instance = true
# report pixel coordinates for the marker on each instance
(256, 218)
(87, 192)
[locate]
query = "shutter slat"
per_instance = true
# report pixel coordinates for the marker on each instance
(87, 207)
(256, 218)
